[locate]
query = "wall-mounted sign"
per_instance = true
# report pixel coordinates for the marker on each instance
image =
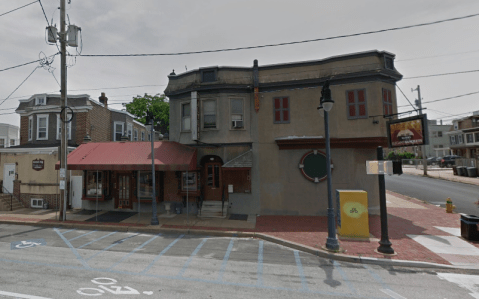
(313, 166)
(38, 164)
(408, 131)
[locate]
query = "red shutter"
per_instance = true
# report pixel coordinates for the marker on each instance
(386, 108)
(277, 115)
(277, 104)
(352, 111)
(285, 103)
(351, 97)
(361, 96)
(390, 99)
(385, 96)
(285, 115)
(362, 109)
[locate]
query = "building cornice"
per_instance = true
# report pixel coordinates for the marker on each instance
(319, 142)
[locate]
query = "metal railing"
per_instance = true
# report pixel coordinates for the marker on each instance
(5, 191)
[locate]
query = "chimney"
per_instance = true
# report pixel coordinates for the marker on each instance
(103, 99)
(441, 122)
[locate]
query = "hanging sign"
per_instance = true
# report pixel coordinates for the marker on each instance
(38, 164)
(409, 131)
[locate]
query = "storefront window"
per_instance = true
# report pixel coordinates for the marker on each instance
(146, 185)
(189, 181)
(93, 186)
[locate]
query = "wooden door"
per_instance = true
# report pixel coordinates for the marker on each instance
(212, 181)
(124, 192)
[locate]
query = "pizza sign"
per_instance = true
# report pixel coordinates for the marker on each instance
(38, 164)
(409, 131)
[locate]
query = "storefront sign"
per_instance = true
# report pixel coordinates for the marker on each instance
(38, 164)
(408, 131)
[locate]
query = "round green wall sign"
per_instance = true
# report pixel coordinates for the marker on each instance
(313, 166)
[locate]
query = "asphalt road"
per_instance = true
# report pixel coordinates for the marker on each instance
(436, 191)
(39, 263)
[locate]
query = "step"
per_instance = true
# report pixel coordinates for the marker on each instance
(212, 215)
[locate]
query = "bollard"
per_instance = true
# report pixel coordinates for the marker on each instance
(449, 205)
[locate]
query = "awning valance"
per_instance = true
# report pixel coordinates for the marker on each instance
(169, 156)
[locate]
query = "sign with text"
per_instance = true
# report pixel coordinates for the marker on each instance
(409, 131)
(38, 164)
(379, 167)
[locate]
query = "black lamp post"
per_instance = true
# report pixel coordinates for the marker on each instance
(326, 103)
(150, 124)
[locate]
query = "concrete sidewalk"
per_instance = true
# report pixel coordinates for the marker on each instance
(422, 235)
(441, 173)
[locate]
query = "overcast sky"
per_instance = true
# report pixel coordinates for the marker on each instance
(148, 26)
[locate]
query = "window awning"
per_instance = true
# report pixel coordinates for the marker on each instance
(169, 156)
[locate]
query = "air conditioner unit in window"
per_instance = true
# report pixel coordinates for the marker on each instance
(36, 202)
(237, 123)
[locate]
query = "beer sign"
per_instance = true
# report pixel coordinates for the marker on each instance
(38, 164)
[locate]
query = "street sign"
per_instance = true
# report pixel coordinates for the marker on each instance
(62, 185)
(379, 167)
(62, 172)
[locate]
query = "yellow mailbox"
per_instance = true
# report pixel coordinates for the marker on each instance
(354, 216)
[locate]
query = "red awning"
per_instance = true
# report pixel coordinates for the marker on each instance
(169, 156)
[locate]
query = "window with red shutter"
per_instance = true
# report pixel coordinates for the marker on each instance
(281, 110)
(387, 102)
(357, 104)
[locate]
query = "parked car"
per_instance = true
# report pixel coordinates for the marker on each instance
(434, 160)
(449, 161)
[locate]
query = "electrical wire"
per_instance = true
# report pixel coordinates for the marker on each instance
(13, 67)
(406, 98)
(20, 84)
(434, 56)
(444, 74)
(18, 8)
(46, 19)
(286, 43)
(449, 98)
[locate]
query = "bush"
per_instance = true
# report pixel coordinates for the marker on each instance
(400, 156)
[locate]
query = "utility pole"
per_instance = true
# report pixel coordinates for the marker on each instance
(64, 137)
(423, 148)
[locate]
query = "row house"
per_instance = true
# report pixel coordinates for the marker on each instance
(464, 136)
(9, 135)
(31, 164)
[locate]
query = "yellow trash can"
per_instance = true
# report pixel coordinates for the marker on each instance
(354, 215)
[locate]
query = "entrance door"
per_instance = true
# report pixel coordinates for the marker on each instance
(8, 176)
(213, 183)
(76, 191)
(124, 192)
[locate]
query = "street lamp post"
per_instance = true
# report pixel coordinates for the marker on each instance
(326, 103)
(150, 124)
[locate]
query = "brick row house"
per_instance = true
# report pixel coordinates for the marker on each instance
(31, 164)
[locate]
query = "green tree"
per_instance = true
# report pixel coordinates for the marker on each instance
(158, 104)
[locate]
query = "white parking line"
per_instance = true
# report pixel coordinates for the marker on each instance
(16, 295)
(392, 294)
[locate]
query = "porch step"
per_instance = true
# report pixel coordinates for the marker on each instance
(5, 203)
(212, 209)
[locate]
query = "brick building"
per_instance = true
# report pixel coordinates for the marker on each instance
(32, 163)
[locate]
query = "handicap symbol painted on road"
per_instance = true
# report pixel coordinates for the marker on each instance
(27, 244)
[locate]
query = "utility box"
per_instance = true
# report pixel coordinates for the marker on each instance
(354, 215)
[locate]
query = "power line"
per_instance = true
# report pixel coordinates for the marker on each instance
(449, 98)
(286, 43)
(12, 67)
(18, 8)
(433, 56)
(46, 19)
(406, 98)
(20, 84)
(122, 87)
(444, 74)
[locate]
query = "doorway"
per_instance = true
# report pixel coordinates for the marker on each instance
(124, 192)
(8, 176)
(212, 181)
(76, 191)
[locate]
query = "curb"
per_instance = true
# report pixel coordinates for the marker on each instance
(241, 234)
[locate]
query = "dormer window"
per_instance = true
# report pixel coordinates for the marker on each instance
(208, 76)
(389, 63)
(40, 101)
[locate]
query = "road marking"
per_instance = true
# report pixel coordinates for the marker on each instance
(260, 263)
(82, 235)
(304, 283)
(27, 244)
(161, 253)
(225, 260)
(23, 296)
(469, 282)
(75, 252)
(344, 277)
(135, 250)
(185, 266)
(392, 294)
(68, 231)
(97, 240)
(114, 244)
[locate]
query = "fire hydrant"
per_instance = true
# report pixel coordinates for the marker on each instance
(449, 205)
